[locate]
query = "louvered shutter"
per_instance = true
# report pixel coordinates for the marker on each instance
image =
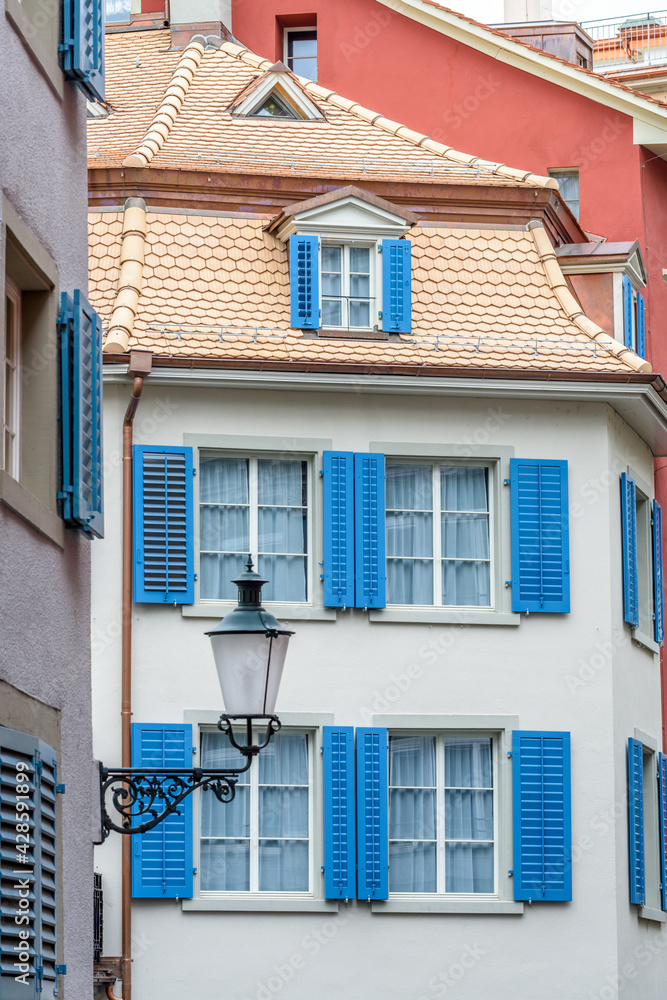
(542, 816)
(162, 857)
(163, 525)
(372, 818)
(627, 312)
(81, 414)
(304, 282)
(662, 794)
(629, 542)
(540, 535)
(369, 506)
(658, 601)
(339, 831)
(397, 286)
(641, 326)
(636, 820)
(83, 46)
(27, 879)
(338, 486)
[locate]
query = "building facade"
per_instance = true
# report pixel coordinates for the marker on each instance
(364, 365)
(46, 942)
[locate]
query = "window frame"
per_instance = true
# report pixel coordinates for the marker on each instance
(240, 446)
(13, 360)
(645, 567)
(313, 900)
(466, 452)
(287, 31)
(562, 172)
(499, 728)
(375, 298)
(651, 909)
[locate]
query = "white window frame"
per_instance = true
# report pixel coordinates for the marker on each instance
(298, 31)
(558, 172)
(375, 304)
(298, 722)
(12, 373)
(290, 448)
(499, 728)
(652, 908)
(644, 634)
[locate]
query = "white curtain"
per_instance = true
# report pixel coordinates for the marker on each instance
(468, 818)
(224, 524)
(409, 531)
(281, 787)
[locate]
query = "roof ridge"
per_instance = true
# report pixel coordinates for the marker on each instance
(542, 52)
(130, 277)
(396, 128)
(572, 308)
(169, 108)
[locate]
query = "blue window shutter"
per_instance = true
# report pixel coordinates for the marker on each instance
(658, 601)
(369, 530)
(540, 535)
(542, 811)
(636, 820)
(81, 414)
(397, 286)
(162, 857)
(372, 816)
(627, 311)
(662, 794)
(83, 45)
(641, 326)
(339, 829)
(629, 541)
(338, 484)
(163, 525)
(304, 262)
(37, 768)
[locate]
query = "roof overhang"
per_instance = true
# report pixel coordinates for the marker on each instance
(640, 400)
(348, 212)
(502, 48)
(603, 258)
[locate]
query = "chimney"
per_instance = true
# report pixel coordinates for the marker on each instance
(199, 17)
(532, 21)
(528, 10)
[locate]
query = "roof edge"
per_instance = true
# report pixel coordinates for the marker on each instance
(331, 197)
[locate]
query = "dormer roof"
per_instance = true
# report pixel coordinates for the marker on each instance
(348, 212)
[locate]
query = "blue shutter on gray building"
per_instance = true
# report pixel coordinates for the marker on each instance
(369, 520)
(82, 48)
(304, 261)
(163, 525)
(28, 868)
(162, 857)
(339, 813)
(542, 816)
(540, 535)
(658, 600)
(629, 544)
(81, 473)
(372, 814)
(338, 486)
(662, 813)
(636, 821)
(396, 286)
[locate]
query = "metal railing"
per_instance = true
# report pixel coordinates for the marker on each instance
(638, 41)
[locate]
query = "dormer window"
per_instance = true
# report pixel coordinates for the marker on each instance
(276, 94)
(274, 107)
(347, 287)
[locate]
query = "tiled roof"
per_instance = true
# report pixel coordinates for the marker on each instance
(218, 287)
(171, 110)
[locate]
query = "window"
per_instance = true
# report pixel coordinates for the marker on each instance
(257, 506)
(11, 441)
(441, 814)
(118, 11)
(641, 536)
(568, 185)
(647, 816)
(644, 564)
(438, 530)
(301, 51)
(347, 287)
(275, 107)
(260, 842)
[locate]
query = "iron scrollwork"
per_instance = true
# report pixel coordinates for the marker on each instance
(143, 798)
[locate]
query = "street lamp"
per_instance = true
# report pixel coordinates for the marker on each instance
(249, 648)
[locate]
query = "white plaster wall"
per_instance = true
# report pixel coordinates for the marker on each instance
(553, 951)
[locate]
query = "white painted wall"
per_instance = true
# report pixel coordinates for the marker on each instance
(194, 11)
(554, 672)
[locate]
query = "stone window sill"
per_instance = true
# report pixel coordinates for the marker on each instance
(18, 499)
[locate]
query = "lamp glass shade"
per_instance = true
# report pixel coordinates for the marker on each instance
(250, 666)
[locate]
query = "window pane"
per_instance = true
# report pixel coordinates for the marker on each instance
(464, 488)
(331, 258)
(281, 483)
(409, 487)
(412, 867)
(360, 286)
(285, 760)
(409, 581)
(283, 865)
(360, 314)
(412, 814)
(332, 313)
(223, 480)
(468, 762)
(216, 575)
(225, 865)
(469, 868)
(217, 752)
(282, 530)
(224, 529)
(272, 107)
(468, 815)
(465, 536)
(286, 576)
(409, 533)
(360, 260)
(302, 43)
(231, 819)
(283, 812)
(466, 584)
(412, 761)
